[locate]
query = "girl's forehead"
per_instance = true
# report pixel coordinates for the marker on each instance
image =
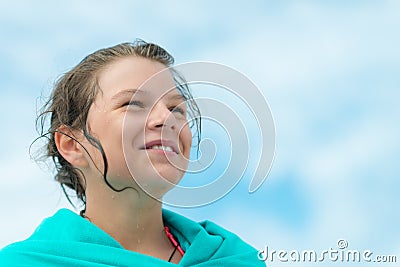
(136, 73)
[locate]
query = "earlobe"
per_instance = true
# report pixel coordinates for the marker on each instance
(68, 145)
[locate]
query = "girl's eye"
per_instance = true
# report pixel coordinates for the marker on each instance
(134, 103)
(178, 109)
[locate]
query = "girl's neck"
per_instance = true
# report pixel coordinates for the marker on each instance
(132, 218)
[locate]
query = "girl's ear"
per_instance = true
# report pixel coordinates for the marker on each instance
(69, 144)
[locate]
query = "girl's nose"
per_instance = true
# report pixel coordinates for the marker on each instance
(160, 116)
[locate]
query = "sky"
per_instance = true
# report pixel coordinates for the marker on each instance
(329, 71)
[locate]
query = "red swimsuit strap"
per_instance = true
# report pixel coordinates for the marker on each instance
(173, 240)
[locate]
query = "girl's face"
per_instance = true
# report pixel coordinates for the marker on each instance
(142, 128)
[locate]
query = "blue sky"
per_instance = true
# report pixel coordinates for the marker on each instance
(330, 73)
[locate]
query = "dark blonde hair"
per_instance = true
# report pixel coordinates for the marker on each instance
(75, 91)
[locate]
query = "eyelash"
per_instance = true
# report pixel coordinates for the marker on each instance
(137, 103)
(177, 109)
(141, 105)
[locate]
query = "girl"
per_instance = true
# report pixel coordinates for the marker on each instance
(121, 140)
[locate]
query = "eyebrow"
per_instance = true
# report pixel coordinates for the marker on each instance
(130, 92)
(177, 97)
(127, 92)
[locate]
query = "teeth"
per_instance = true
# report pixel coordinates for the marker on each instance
(165, 148)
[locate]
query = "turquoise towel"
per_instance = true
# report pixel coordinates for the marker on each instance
(66, 239)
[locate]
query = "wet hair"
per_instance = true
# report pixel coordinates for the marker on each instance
(74, 93)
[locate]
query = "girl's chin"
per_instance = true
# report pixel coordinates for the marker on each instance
(156, 178)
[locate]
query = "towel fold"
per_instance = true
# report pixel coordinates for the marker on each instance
(66, 239)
